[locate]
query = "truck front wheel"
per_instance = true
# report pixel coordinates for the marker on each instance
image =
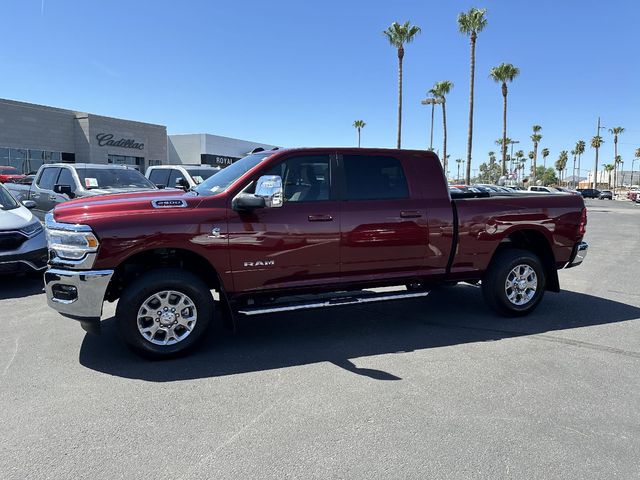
(514, 283)
(164, 313)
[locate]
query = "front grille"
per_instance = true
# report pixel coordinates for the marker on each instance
(11, 241)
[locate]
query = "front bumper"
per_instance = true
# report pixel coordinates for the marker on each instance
(77, 294)
(578, 255)
(30, 256)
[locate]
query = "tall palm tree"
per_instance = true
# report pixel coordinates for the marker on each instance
(458, 161)
(504, 73)
(608, 168)
(580, 147)
(536, 136)
(399, 35)
(617, 180)
(532, 157)
(561, 163)
(432, 100)
(574, 153)
(615, 131)
(545, 154)
(440, 91)
(471, 23)
(359, 125)
(596, 142)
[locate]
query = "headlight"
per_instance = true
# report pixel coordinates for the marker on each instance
(71, 245)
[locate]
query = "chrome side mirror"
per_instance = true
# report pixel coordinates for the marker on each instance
(269, 187)
(29, 204)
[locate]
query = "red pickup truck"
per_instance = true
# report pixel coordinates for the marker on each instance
(328, 223)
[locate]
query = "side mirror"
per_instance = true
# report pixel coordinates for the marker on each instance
(29, 204)
(63, 190)
(247, 201)
(269, 187)
(182, 183)
(161, 186)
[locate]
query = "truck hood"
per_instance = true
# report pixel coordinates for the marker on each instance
(15, 219)
(83, 209)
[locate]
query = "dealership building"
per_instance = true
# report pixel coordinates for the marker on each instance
(31, 135)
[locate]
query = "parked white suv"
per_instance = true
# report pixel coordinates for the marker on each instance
(23, 246)
(180, 176)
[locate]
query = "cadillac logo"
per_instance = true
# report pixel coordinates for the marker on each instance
(106, 140)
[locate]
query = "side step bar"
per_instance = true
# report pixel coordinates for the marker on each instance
(365, 297)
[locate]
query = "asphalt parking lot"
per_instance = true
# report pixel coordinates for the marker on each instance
(432, 388)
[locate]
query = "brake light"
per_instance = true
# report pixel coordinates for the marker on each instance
(582, 227)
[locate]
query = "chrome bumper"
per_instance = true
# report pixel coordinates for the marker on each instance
(77, 294)
(579, 254)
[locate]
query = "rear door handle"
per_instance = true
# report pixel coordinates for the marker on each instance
(410, 214)
(53, 198)
(320, 218)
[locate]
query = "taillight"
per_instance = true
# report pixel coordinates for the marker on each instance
(582, 227)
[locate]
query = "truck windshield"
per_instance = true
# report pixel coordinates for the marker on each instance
(199, 175)
(7, 202)
(112, 178)
(227, 176)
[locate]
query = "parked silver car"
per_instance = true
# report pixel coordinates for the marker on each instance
(23, 246)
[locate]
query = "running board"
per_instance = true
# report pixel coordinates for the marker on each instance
(370, 297)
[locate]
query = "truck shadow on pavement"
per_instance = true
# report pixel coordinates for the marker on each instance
(20, 285)
(447, 317)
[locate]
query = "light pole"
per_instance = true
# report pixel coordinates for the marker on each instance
(433, 102)
(595, 172)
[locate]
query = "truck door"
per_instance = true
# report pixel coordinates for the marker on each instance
(42, 190)
(296, 244)
(384, 229)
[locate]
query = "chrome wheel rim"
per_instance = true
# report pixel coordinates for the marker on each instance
(521, 284)
(167, 317)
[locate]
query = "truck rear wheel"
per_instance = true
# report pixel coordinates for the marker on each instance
(514, 283)
(164, 313)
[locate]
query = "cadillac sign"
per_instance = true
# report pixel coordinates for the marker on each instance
(106, 140)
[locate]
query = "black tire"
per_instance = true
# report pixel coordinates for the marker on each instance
(155, 281)
(494, 283)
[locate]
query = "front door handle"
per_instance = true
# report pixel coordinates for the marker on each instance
(53, 198)
(410, 214)
(320, 218)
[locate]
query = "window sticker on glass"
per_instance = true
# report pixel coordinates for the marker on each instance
(197, 178)
(90, 182)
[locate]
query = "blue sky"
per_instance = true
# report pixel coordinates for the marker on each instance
(298, 73)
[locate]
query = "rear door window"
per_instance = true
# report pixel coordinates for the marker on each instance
(373, 178)
(160, 176)
(48, 178)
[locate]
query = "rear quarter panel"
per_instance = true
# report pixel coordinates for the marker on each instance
(485, 222)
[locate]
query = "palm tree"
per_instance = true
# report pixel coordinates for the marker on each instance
(561, 163)
(615, 131)
(545, 154)
(470, 24)
(458, 161)
(398, 35)
(620, 162)
(492, 157)
(504, 73)
(532, 157)
(580, 147)
(359, 125)
(573, 176)
(440, 91)
(536, 136)
(432, 100)
(596, 142)
(608, 168)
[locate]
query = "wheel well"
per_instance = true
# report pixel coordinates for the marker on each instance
(536, 242)
(142, 262)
